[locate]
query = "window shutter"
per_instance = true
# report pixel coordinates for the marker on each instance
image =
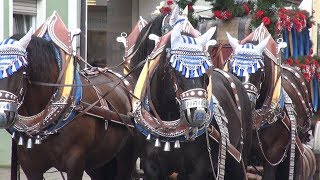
(26, 7)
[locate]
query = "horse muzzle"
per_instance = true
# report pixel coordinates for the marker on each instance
(252, 93)
(194, 107)
(8, 114)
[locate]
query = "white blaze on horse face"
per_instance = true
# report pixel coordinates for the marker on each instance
(203, 39)
(24, 42)
(233, 42)
(260, 47)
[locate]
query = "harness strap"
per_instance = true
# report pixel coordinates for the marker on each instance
(304, 88)
(159, 120)
(218, 57)
(234, 90)
(106, 114)
(216, 136)
(99, 100)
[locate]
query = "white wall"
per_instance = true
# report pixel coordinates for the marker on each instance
(41, 13)
(1, 20)
(146, 7)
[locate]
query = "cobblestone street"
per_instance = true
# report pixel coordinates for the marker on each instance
(51, 174)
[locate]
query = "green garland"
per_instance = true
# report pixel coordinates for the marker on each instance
(266, 12)
(227, 9)
(183, 4)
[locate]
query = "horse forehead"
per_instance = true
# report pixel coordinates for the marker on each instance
(7, 41)
(188, 43)
(11, 47)
(247, 48)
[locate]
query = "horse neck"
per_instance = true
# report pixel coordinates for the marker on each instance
(163, 96)
(38, 96)
(267, 86)
(144, 45)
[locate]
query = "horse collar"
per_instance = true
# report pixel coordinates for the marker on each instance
(153, 127)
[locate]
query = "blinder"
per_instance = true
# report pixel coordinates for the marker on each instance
(8, 108)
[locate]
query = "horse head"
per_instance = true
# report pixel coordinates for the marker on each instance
(182, 73)
(13, 60)
(159, 26)
(247, 63)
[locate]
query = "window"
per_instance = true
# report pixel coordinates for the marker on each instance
(24, 15)
(22, 23)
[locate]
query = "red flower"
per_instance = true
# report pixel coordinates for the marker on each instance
(289, 61)
(311, 51)
(169, 2)
(227, 14)
(165, 10)
(246, 8)
(190, 7)
(307, 61)
(266, 21)
(260, 13)
(218, 14)
(283, 10)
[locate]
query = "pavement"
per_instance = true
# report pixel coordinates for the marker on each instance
(51, 174)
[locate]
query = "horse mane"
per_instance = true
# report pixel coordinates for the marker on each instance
(144, 45)
(267, 85)
(41, 58)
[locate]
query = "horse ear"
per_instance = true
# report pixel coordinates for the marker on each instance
(174, 16)
(233, 41)
(155, 38)
(185, 12)
(24, 41)
(210, 43)
(176, 37)
(203, 39)
(260, 47)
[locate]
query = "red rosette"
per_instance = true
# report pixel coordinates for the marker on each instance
(266, 21)
(260, 13)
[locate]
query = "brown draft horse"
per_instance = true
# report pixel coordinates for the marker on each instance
(88, 141)
(191, 161)
(272, 137)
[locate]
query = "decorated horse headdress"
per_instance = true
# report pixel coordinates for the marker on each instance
(187, 53)
(247, 58)
(13, 55)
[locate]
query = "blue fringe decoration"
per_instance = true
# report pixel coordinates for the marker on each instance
(301, 45)
(295, 42)
(285, 39)
(8, 68)
(315, 92)
(307, 41)
(190, 65)
(242, 66)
